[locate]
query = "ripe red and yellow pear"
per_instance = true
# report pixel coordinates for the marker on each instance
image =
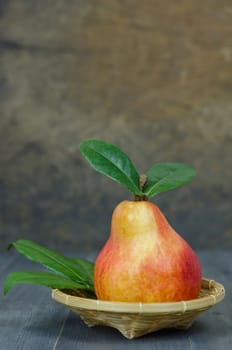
(144, 259)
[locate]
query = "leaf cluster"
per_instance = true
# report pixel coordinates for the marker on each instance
(67, 273)
(115, 164)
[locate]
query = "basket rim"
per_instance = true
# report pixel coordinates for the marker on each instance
(217, 293)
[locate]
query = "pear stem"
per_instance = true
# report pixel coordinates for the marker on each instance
(142, 182)
(138, 197)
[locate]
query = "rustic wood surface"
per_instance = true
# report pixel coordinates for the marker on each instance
(30, 319)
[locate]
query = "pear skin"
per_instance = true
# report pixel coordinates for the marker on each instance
(144, 259)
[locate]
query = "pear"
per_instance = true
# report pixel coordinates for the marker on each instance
(144, 259)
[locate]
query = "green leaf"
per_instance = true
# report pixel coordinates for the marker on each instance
(163, 177)
(112, 162)
(78, 271)
(41, 278)
(86, 267)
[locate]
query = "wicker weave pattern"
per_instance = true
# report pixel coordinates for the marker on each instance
(136, 319)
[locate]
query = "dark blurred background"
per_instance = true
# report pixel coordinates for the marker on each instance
(153, 77)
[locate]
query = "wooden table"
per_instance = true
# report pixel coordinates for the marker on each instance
(31, 320)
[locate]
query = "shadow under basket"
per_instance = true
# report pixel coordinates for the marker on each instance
(137, 319)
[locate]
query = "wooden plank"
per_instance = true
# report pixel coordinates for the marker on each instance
(213, 330)
(29, 319)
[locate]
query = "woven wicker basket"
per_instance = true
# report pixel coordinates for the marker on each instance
(136, 319)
